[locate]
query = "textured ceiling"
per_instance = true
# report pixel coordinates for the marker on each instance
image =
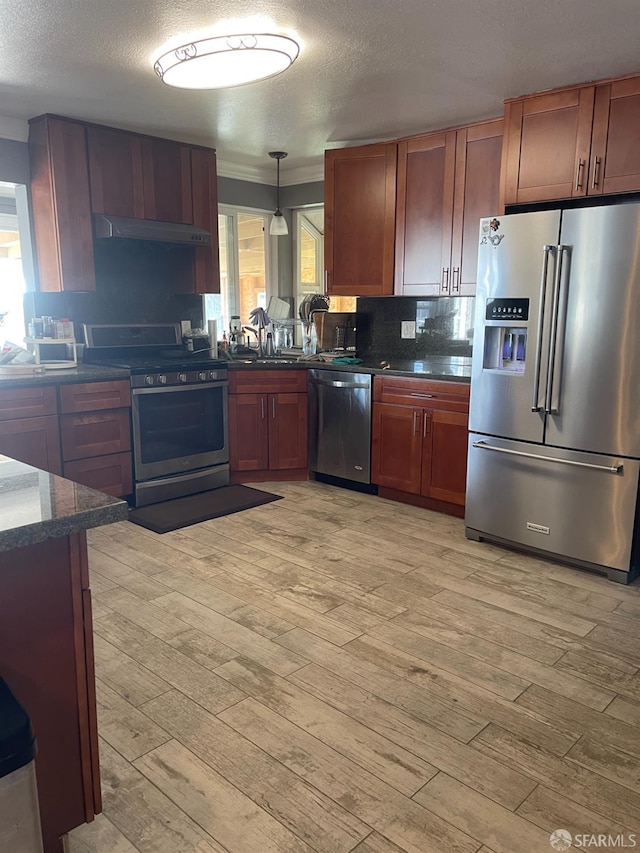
(368, 69)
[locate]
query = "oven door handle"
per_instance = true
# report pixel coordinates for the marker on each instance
(163, 389)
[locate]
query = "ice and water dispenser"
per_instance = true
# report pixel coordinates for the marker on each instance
(505, 335)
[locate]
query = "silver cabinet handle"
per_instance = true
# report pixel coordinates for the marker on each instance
(427, 396)
(595, 176)
(425, 422)
(609, 469)
(415, 420)
(326, 281)
(262, 407)
(455, 287)
(535, 405)
(445, 279)
(579, 174)
(273, 407)
(553, 348)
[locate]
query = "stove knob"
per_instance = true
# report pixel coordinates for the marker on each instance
(148, 380)
(182, 377)
(202, 376)
(162, 379)
(213, 374)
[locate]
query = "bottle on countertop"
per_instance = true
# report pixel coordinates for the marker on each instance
(224, 343)
(269, 350)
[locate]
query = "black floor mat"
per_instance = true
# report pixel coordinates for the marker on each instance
(182, 512)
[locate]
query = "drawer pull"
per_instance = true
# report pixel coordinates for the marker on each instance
(424, 396)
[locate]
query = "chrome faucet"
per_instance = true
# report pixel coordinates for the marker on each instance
(257, 332)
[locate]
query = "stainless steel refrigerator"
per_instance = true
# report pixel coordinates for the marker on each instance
(554, 417)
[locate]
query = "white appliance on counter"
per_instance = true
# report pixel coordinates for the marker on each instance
(554, 415)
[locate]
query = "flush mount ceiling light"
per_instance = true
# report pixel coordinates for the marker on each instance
(225, 61)
(278, 227)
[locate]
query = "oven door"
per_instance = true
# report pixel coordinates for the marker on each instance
(179, 429)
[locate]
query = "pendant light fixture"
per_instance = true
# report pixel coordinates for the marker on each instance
(278, 227)
(225, 61)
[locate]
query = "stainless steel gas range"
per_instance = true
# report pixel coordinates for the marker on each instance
(179, 409)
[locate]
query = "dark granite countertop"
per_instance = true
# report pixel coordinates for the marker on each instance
(81, 373)
(438, 367)
(36, 506)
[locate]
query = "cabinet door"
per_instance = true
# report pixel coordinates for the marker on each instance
(615, 152)
(205, 215)
(61, 205)
(248, 432)
(115, 172)
(477, 194)
(396, 448)
(287, 431)
(424, 214)
(547, 145)
(35, 441)
(166, 172)
(360, 186)
(444, 458)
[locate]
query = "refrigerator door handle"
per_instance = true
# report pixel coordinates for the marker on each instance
(535, 403)
(553, 348)
(609, 469)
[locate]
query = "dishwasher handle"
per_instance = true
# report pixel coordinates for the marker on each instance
(336, 383)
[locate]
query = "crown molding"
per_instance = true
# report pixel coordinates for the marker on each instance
(16, 129)
(266, 175)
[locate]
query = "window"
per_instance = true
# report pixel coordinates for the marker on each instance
(309, 229)
(309, 277)
(247, 262)
(12, 280)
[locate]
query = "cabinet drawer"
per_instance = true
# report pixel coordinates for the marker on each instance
(88, 435)
(94, 396)
(33, 402)
(270, 381)
(109, 474)
(427, 393)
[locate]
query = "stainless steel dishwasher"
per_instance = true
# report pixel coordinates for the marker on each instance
(340, 424)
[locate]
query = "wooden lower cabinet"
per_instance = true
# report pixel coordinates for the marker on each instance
(95, 435)
(420, 450)
(35, 441)
(268, 428)
(46, 658)
(110, 474)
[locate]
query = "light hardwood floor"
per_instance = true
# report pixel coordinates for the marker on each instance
(334, 672)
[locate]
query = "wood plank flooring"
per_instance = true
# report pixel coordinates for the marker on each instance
(334, 672)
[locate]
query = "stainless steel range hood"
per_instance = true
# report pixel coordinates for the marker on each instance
(149, 229)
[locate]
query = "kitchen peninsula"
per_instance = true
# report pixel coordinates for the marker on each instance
(46, 646)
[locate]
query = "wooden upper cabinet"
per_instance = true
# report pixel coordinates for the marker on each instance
(205, 215)
(573, 143)
(424, 214)
(360, 189)
(166, 174)
(61, 204)
(476, 195)
(115, 170)
(446, 183)
(615, 148)
(139, 176)
(547, 144)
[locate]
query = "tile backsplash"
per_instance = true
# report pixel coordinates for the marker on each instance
(136, 282)
(439, 325)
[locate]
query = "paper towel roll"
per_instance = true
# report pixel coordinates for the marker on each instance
(212, 329)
